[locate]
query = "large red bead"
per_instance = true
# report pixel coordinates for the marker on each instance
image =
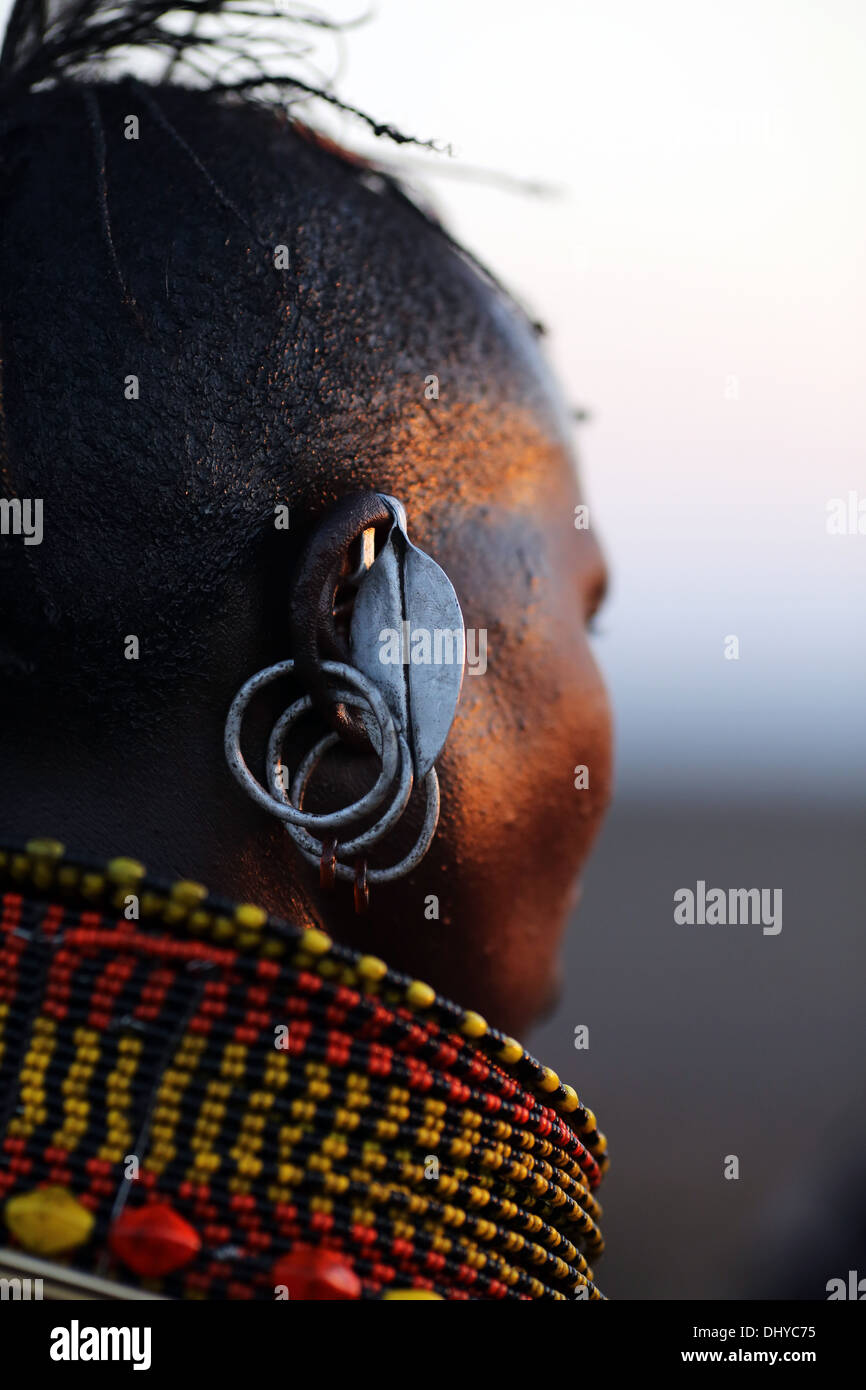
(153, 1240)
(313, 1274)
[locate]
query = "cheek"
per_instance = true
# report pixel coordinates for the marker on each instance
(587, 724)
(537, 713)
(532, 748)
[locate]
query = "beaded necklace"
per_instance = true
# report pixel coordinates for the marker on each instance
(208, 1102)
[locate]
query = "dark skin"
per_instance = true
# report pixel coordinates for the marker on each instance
(257, 390)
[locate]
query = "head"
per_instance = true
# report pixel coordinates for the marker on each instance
(259, 387)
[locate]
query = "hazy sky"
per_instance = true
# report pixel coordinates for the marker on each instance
(702, 276)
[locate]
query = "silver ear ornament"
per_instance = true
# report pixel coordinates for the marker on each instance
(407, 706)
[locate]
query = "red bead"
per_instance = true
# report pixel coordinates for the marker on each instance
(315, 1275)
(153, 1240)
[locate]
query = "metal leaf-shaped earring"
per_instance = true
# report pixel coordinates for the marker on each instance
(406, 592)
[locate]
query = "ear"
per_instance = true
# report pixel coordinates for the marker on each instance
(317, 611)
(405, 713)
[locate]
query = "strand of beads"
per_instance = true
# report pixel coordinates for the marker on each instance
(157, 1037)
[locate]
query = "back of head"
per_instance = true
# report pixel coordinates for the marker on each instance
(215, 324)
(206, 312)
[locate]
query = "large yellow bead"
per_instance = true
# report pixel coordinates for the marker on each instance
(420, 995)
(572, 1100)
(188, 893)
(473, 1025)
(371, 968)
(125, 870)
(45, 849)
(48, 1220)
(318, 943)
(511, 1052)
(249, 916)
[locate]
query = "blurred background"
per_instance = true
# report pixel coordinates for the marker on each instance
(699, 264)
(697, 254)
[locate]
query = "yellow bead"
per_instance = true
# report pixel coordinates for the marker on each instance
(419, 995)
(550, 1081)
(572, 1100)
(407, 1295)
(48, 1220)
(318, 943)
(188, 893)
(510, 1052)
(372, 968)
(45, 849)
(249, 916)
(473, 1025)
(125, 871)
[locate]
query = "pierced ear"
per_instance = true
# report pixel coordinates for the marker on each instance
(335, 559)
(401, 715)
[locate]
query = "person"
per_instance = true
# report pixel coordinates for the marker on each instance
(237, 358)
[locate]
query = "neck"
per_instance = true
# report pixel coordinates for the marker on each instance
(168, 804)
